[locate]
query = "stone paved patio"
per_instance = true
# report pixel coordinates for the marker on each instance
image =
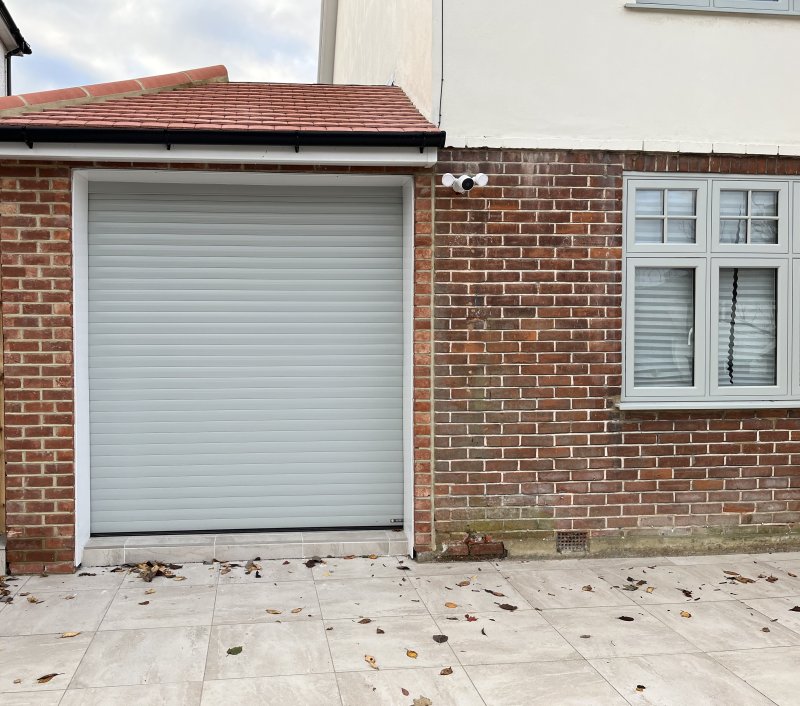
(692, 634)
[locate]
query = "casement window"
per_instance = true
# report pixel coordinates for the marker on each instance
(712, 270)
(748, 6)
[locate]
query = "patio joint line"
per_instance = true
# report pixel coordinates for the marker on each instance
(325, 633)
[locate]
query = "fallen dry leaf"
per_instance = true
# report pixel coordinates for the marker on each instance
(18, 681)
(145, 603)
(506, 606)
(404, 692)
(585, 637)
(86, 573)
(650, 589)
(412, 654)
(380, 632)
(794, 576)
(463, 583)
(743, 579)
(495, 593)
(370, 660)
(149, 592)
(364, 621)
(447, 671)
(796, 609)
(472, 618)
(314, 561)
(251, 566)
(685, 614)
(235, 650)
(686, 593)
(403, 568)
(450, 605)
(297, 610)
(772, 579)
(372, 556)
(47, 677)
(34, 599)
(765, 630)
(440, 638)
(587, 588)
(626, 618)
(70, 634)
(272, 611)
(179, 578)
(731, 573)
(640, 687)
(422, 701)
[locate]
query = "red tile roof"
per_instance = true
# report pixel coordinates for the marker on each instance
(220, 106)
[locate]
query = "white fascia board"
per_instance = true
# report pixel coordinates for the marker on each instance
(224, 154)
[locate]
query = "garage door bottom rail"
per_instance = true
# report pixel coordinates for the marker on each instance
(241, 546)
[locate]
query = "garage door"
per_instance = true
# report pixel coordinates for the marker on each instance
(245, 357)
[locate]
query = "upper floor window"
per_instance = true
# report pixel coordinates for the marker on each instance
(765, 6)
(712, 276)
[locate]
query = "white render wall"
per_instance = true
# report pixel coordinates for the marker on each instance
(586, 73)
(386, 41)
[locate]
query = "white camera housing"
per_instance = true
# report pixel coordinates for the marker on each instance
(464, 183)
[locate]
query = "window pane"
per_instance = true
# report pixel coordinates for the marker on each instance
(649, 202)
(763, 231)
(649, 230)
(733, 203)
(681, 203)
(681, 230)
(764, 203)
(731, 231)
(663, 327)
(747, 327)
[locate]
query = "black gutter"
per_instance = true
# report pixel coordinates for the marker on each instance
(31, 134)
(22, 46)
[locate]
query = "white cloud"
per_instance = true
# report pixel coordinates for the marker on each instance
(90, 41)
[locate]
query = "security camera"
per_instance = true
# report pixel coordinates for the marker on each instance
(465, 182)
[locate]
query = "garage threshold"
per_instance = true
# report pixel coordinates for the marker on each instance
(241, 546)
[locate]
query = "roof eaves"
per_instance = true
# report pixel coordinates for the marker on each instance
(22, 47)
(32, 134)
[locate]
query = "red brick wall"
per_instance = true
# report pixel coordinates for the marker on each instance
(528, 362)
(526, 349)
(36, 286)
(37, 356)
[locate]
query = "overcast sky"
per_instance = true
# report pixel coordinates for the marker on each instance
(77, 42)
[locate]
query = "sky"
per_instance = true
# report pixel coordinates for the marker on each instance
(78, 42)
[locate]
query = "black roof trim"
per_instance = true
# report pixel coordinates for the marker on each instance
(32, 134)
(22, 46)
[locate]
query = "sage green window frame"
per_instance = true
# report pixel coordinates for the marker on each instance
(707, 256)
(750, 7)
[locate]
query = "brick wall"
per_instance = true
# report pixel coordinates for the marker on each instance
(528, 369)
(36, 286)
(526, 347)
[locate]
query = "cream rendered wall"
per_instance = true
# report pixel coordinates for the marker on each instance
(593, 73)
(387, 41)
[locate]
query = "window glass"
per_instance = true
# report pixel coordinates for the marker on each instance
(664, 327)
(747, 343)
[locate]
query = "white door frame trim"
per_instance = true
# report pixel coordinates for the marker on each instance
(80, 264)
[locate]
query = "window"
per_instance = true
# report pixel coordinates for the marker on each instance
(710, 265)
(751, 6)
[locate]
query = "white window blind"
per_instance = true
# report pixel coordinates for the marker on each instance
(664, 327)
(747, 327)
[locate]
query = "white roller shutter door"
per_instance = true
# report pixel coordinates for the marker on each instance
(245, 357)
